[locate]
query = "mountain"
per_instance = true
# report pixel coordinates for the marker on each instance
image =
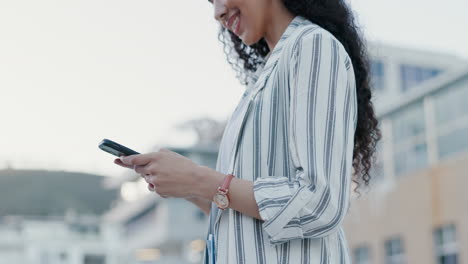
(51, 193)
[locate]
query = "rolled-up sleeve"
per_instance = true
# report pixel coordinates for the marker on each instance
(321, 139)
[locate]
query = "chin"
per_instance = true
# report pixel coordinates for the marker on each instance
(249, 40)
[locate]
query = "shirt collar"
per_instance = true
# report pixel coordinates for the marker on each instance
(273, 55)
(295, 22)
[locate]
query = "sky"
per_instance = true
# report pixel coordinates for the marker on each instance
(75, 72)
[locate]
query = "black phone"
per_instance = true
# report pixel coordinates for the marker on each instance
(115, 148)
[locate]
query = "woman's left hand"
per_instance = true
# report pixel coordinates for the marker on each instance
(167, 173)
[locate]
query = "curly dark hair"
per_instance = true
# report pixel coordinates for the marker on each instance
(337, 18)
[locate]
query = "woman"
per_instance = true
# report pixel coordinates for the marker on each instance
(282, 183)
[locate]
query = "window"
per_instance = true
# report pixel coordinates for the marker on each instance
(63, 257)
(94, 259)
(377, 75)
(410, 158)
(452, 142)
(85, 228)
(408, 123)
(450, 104)
(377, 171)
(451, 118)
(445, 243)
(362, 255)
(412, 75)
(409, 139)
(394, 253)
(44, 258)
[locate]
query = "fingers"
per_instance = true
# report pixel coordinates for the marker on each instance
(141, 170)
(145, 165)
(120, 163)
(147, 170)
(149, 179)
(152, 188)
(138, 159)
(140, 163)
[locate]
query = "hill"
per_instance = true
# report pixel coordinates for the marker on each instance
(51, 193)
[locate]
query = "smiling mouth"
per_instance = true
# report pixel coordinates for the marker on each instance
(236, 25)
(233, 23)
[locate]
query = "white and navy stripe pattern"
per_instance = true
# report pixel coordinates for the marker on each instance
(292, 134)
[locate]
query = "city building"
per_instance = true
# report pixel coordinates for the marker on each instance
(58, 240)
(416, 210)
(396, 70)
(54, 217)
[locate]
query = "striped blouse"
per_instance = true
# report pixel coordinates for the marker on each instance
(292, 134)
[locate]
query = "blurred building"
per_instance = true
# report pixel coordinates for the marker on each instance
(397, 71)
(158, 230)
(416, 210)
(47, 240)
(53, 217)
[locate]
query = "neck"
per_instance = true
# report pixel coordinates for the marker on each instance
(279, 20)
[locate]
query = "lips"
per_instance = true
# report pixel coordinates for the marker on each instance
(231, 21)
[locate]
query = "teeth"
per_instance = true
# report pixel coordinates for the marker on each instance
(234, 25)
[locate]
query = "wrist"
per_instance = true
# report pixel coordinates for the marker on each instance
(208, 181)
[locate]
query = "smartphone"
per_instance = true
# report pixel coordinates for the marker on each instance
(115, 148)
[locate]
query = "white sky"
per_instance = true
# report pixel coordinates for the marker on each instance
(75, 72)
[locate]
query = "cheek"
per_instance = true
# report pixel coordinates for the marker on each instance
(251, 31)
(254, 18)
